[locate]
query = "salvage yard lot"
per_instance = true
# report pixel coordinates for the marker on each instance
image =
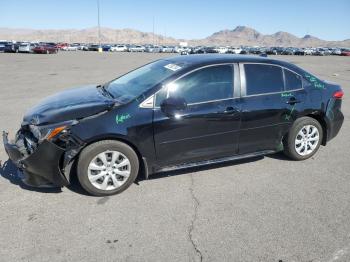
(261, 209)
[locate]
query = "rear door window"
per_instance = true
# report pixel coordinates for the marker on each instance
(262, 79)
(292, 81)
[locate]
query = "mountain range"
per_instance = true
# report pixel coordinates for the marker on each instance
(241, 35)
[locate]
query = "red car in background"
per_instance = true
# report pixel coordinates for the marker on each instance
(45, 49)
(62, 45)
(345, 52)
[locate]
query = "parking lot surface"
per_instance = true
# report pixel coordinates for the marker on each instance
(261, 209)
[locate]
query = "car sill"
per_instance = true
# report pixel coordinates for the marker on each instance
(215, 161)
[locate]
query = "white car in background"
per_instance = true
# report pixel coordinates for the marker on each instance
(235, 50)
(221, 49)
(70, 48)
(167, 49)
(119, 48)
(336, 51)
(309, 51)
(136, 48)
(26, 47)
(181, 49)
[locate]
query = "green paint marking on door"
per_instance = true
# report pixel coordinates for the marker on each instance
(288, 116)
(121, 118)
(286, 95)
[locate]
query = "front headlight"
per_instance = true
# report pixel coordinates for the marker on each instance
(50, 131)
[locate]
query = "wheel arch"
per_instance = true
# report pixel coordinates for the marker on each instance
(319, 118)
(142, 160)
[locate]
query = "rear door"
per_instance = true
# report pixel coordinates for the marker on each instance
(209, 127)
(266, 110)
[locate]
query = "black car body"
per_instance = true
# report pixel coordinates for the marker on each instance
(2, 46)
(11, 48)
(94, 47)
(192, 110)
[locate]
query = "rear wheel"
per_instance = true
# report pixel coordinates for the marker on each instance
(303, 139)
(107, 167)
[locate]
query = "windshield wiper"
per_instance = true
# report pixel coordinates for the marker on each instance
(104, 91)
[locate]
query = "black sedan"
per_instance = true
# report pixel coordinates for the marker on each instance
(175, 113)
(11, 48)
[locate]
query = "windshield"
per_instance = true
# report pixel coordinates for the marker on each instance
(135, 83)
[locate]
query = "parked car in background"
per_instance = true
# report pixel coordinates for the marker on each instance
(72, 47)
(45, 49)
(152, 49)
(106, 48)
(234, 50)
(299, 51)
(136, 48)
(26, 47)
(119, 48)
(185, 49)
(322, 52)
(83, 47)
(272, 51)
(2, 45)
(309, 51)
(94, 47)
(288, 51)
(62, 46)
(11, 47)
(221, 49)
(336, 51)
(167, 49)
(345, 52)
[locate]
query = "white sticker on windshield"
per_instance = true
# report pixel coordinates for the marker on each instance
(172, 67)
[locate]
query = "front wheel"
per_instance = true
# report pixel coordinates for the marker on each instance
(303, 139)
(107, 167)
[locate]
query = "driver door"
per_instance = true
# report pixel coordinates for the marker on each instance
(208, 127)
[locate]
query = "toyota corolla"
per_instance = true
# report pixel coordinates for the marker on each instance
(175, 113)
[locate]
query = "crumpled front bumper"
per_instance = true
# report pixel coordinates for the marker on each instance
(42, 167)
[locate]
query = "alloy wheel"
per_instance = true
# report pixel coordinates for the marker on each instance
(307, 140)
(109, 170)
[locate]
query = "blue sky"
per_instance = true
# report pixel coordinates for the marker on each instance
(329, 20)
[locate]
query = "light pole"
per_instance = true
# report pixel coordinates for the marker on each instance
(98, 25)
(153, 30)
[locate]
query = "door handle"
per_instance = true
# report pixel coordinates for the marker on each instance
(230, 110)
(293, 101)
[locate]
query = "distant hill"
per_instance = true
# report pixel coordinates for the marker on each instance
(241, 35)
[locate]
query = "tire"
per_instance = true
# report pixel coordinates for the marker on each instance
(291, 146)
(90, 155)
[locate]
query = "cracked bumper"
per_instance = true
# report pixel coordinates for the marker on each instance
(42, 167)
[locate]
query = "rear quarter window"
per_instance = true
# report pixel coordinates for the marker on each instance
(262, 79)
(292, 81)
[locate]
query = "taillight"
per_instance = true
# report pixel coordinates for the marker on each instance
(338, 94)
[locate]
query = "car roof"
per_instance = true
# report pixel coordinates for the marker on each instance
(206, 59)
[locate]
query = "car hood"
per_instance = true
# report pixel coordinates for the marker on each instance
(71, 104)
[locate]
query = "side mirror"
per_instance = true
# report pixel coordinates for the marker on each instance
(172, 105)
